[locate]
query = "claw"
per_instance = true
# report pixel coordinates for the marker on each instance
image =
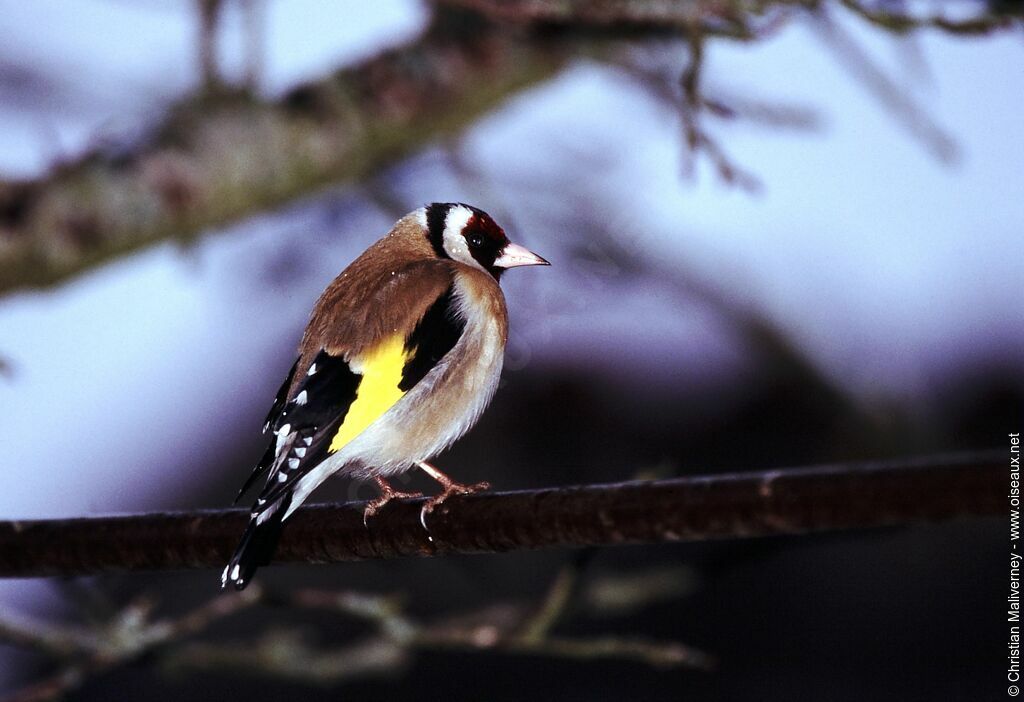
(387, 493)
(451, 488)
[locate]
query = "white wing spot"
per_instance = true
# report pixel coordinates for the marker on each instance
(301, 398)
(300, 452)
(312, 370)
(235, 572)
(293, 463)
(308, 440)
(285, 430)
(282, 476)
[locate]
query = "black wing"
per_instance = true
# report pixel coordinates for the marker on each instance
(435, 335)
(272, 416)
(321, 401)
(281, 399)
(303, 427)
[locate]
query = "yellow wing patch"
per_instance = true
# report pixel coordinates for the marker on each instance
(381, 369)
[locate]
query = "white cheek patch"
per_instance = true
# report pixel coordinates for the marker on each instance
(454, 243)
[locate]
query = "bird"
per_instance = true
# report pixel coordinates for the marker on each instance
(402, 353)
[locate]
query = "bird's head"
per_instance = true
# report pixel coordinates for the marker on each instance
(467, 234)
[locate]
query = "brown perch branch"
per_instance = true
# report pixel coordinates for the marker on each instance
(741, 505)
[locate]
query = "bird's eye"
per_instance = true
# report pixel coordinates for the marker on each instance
(475, 240)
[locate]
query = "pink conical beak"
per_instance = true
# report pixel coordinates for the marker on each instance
(514, 255)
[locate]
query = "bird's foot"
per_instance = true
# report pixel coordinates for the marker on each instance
(451, 488)
(387, 493)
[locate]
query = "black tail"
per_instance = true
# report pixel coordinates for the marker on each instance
(258, 544)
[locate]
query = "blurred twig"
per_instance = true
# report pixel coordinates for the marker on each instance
(891, 96)
(209, 13)
(699, 21)
(795, 501)
(127, 637)
(286, 654)
(254, 27)
(697, 138)
(562, 591)
(624, 593)
(56, 641)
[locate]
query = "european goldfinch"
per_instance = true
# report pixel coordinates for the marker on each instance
(402, 353)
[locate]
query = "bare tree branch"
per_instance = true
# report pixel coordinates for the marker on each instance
(620, 17)
(729, 17)
(223, 154)
(795, 501)
(696, 21)
(984, 21)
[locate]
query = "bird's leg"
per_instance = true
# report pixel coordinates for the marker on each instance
(450, 488)
(387, 493)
